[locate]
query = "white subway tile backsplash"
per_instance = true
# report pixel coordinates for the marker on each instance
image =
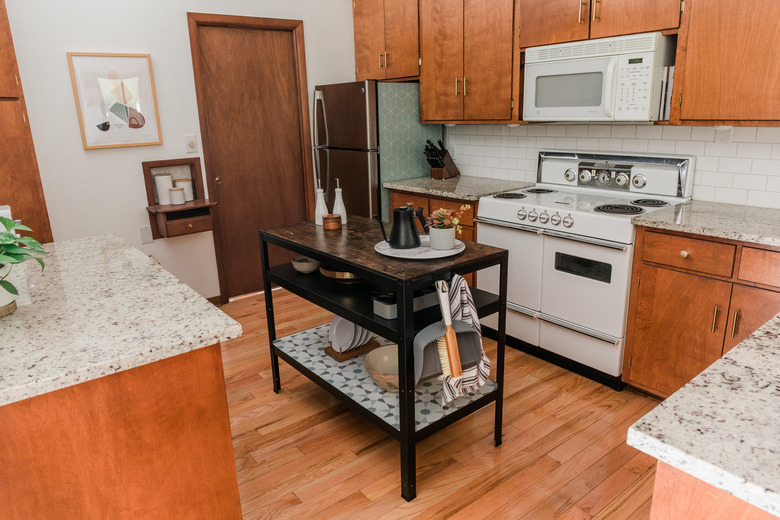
(743, 171)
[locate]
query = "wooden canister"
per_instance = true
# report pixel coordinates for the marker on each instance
(331, 221)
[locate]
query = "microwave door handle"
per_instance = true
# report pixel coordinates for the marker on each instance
(609, 87)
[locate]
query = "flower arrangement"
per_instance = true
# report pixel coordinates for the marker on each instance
(15, 250)
(446, 218)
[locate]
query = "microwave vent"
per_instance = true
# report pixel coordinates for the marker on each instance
(592, 48)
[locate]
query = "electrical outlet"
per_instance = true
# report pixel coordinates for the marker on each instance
(146, 235)
(723, 134)
(190, 143)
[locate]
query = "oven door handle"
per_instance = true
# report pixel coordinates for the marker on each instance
(587, 240)
(512, 225)
(579, 328)
(531, 313)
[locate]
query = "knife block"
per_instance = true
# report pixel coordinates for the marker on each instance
(448, 170)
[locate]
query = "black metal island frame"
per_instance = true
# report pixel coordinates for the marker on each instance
(412, 415)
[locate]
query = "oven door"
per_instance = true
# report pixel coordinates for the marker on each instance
(571, 90)
(586, 286)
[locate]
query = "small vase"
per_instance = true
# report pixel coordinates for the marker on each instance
(442, 238)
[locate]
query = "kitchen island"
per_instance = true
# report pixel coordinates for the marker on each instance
(112, 395)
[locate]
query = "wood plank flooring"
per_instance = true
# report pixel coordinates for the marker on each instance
(302, 454)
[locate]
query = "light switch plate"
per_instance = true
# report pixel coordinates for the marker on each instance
(146, 235)
(190, 143)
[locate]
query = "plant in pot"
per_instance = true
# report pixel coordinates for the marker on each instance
(14, 250)
(442, 226)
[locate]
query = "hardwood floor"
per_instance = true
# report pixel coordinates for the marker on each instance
(302, 454)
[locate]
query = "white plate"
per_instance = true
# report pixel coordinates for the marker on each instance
(364, 337)
(356, 338)
(343, 333)
(424, 252)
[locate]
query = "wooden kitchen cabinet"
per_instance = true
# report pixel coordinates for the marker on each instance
(386, 39)
(467, 53)
(693, 299)
(556, 21)
(728, 62)
(9, 77)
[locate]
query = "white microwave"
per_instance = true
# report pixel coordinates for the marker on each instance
(608, 79)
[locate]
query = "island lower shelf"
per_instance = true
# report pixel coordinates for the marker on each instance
(350, 382)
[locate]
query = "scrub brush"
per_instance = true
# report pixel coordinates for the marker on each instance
(447, 345)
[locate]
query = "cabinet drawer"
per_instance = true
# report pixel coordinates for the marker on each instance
(187, 225)
(468, 216)
(760, 266)
(689, 253)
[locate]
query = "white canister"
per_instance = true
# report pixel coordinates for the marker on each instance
(187, 185)
(163, 182)
(177, 195)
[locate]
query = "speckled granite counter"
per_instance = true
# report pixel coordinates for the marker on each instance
(745, 223)
(461, 187)
(101, 306)
(724, 426)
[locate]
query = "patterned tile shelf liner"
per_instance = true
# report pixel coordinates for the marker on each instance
(351, 378)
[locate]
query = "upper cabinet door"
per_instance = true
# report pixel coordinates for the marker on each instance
(402, 39)
(732, 61)
(9, 82)
(617, 17)
(487, 59)
(542, 22)
(369, 26)
(441, 76)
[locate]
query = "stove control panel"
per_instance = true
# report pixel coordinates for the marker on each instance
(604, 175)
(555, 219)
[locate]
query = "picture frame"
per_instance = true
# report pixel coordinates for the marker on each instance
(115, 99)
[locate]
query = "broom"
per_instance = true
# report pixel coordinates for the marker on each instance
(448, 344)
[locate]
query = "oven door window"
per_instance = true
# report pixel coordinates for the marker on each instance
(584, 267)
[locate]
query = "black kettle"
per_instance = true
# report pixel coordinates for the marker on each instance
(403, 234)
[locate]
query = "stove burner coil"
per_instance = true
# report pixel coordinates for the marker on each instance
(539, 190)
(650, 203)
(509, 196)
(619, 209)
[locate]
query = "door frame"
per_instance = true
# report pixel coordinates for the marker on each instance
(194, 22)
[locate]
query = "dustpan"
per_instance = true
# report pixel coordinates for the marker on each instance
(427, 363)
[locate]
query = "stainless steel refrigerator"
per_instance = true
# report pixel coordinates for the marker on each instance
(346, 145)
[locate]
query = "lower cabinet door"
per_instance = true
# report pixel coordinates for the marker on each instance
(678, 330)
(751, 307)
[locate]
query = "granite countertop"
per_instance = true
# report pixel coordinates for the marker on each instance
(724, 426)
(100, 306)
(461, 187)
(744, 223)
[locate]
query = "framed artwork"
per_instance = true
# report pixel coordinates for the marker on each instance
(115, 99)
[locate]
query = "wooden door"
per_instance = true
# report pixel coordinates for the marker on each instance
(730, 69)
(369, 28)
(19, 177)
(402, 39)
(250, 78)
(441, 75)
(618, 17)
(751, 307)
(673, 338)
(487, 59)
(9, 78)
(542, 22)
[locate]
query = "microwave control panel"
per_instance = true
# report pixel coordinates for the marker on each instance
(634, 88)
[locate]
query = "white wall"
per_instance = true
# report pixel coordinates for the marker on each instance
(102, 191)
(743, 170)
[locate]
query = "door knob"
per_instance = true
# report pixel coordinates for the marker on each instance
(218, 180)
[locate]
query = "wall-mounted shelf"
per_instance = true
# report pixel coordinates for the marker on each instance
(170, 220)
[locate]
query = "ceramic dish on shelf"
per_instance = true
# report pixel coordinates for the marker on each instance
(424, 252)
(304, 264)
(343, 333)
(382, 365)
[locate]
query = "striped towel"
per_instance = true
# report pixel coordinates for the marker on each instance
(463, 308)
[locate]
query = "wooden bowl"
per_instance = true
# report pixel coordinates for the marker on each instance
(382, 365)
(304, 264)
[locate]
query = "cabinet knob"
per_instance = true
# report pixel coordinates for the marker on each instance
(218, 180)
(189, 226)
(684, 254)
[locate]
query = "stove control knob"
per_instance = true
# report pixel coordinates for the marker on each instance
(621, 179)
(532, 215)
(568, 221)
(555, 219)
(521, 214)
(544, 218)
(585, 176)
(570, 175)
(639, 181)
(602, 178)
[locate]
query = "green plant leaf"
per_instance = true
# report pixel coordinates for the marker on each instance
(30, 242)
(8, 224)
(12, 248)
(8, 286)
(39, 261)
(5, 259)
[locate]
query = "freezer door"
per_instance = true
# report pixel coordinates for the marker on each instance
(345, 116)
(358, 176)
